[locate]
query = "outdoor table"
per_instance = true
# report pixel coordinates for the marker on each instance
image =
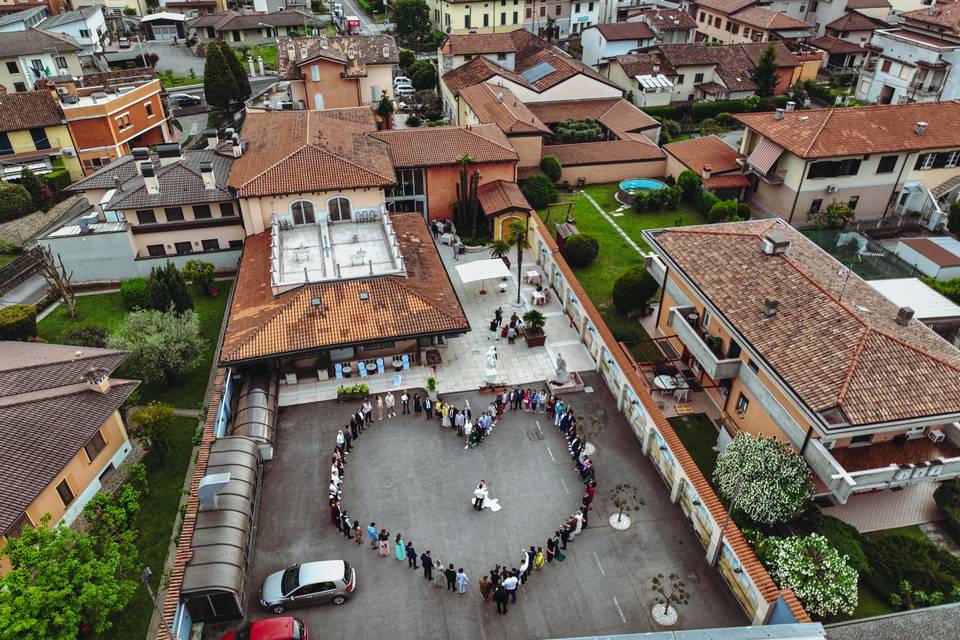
(371, 367)
(503, 286)
(446, 238)
(665, 382)
(533, 277)
(539, 298)
(398, 365)
(347, 370)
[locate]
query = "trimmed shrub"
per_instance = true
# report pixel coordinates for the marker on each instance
(581, 249)
(200, 273)
(634, 289)
(57, 180)
(725, 119)
(690, 185)
(8, 247)
(704, 202)
(847, 540)
(135, 294)
(18, 322)
(896, 556)
(947, 497)
(743, 211)
(572, 131)
(551, 167)
(85, 336)
(722, 211)
(413, 121)
(433, 115)
(539, 191)
(15, 202)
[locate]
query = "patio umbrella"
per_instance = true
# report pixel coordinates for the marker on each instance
(482, 270)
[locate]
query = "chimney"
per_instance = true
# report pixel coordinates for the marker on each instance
(236, 146)
(149, 178)
(500, 96)
(117, 183)
(921, 128)
(206, 172)
(140, 155)
(212, 138)
(933, 8)
(656, 67)
(210, 487)
(707, 172)
(770, 306)
(97, 380)
(778, 114)
(169, 153)
(791, 106)
(904, 316)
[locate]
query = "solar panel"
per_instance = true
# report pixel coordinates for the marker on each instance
(538, 71)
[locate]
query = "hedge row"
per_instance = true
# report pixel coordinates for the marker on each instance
(18, 322)
(703, 110)
(58, 181)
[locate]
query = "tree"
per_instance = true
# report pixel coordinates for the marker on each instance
(764, 75)
(162, 345)
(723, 211)
(910, 598)
(625, 497)
(764, 478)
(15, 201)
(539, 191)
(57, 279)
(953, 222)
(499, 248)
(406, 57)
(61, 581)
(200, 273)
(151, 426)
(466, 214)
(551, 31)
(580, 249)
(220, 88)
(690, 184)
(423, 75)
(798, 92)
(634, 289)
(385, 110)
(668, 595)
(817, 573)
(836, 215)
(18, 322)
(551, 167)
(519, 235)
(166, 287)
(39, 190)
(239, 72)
(147, 60)
(572, 131)
(411, 17)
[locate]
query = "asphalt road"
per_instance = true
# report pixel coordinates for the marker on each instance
(367, 26)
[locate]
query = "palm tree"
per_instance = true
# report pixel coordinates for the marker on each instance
(519, 234)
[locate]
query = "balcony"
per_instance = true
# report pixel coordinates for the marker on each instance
(709, 356)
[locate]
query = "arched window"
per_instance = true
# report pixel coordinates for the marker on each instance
(302, 211)
(339, 209)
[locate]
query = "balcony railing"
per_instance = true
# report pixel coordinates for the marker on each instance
(715, 366)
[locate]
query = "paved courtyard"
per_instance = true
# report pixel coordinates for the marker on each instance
(411, 476)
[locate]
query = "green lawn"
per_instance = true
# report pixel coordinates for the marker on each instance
(267, 51)
(106, 310)
(170, 81)
(7, 258)
(158, 511)
(869, 603)
(698, 435)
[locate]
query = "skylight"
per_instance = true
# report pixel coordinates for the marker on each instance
(538, 71)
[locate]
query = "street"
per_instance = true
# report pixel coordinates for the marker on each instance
(367, 26)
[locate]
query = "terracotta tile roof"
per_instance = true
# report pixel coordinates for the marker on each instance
(734, 62)
(21, 43)
(724, 6)
(836, 45)
(508, 113)
(434, 146)
(565, 66)
(480, 69)
(261, 325)
(849, 354)
(616, 114)
(946, 16)
(179, 183)
(644, 64)
(499, 196)
(825, 133)
(306, 151)
(616, 31)
(755, 49)
(480, 43)
(730, 181)
(770, 20)
(853, 21)
(695, 153)
(666, 19)
(28, 109)
(365, 50)
(613, 152)
(235, 20)
(117, 76)
(868, 4)
(929, 249)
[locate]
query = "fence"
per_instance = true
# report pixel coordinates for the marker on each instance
(860, 254)
(17, 271)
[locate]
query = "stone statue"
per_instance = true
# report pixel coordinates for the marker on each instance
(562, 375)
(490, 372)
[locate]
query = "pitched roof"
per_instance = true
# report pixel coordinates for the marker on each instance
(853, 21)
(935, 249)
(616, 114)
(644, 64)
(433, 146)
(711, 151)
(423, 302)
(305, 151)
(724, 6)
(666, 19)
(477, 70)
(834, 340)
(17, 43)
(19, 16)
(946, 16)
(754, 51)
(179, 182)
(612, 152)
(28, 109)
(616, 31)
(355, 52)
(868, 4)
(498, 105)
(733, 61)
(47, 414)
(499, 196)
(480, 43)
(825, 133)
(69, 16)
(835, 45)
(767, 19)
(122, 168)
(235, 20)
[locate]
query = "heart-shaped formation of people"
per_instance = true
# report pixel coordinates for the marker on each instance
(502, 582)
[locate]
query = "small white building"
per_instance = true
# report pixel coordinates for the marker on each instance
(929, 307)
(605, 41)
(85, 25)
(583, 14)
(936, 257)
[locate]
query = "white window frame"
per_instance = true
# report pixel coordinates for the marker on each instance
(952, 160)
(928, 160)
(315, 72)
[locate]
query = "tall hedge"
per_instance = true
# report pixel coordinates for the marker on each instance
(18, 322)
(15, 202)
(57, 180)
(702, 110)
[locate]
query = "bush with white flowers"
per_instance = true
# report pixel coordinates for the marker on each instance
(819, 576)
(771, 482)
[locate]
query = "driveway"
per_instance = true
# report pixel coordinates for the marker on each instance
(178, 58)
(413, 477)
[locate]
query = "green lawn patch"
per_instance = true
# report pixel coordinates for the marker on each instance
(106, 310)
(869, 604)
(699, 436)
(7, 258)
(267, 51)
(171, 81)
(158, 512)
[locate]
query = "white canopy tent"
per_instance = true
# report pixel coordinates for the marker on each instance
(482, 270)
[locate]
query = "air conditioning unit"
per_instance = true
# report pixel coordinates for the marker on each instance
(936, 435)
(63, 91)
(832, 188)
(828, 444)
(70, 152)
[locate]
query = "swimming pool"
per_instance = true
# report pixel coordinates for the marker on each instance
(635, 184)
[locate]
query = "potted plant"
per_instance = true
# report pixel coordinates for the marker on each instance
(499, 248)
(432, 388)
(533, 328)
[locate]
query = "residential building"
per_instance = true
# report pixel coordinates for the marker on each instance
(486, 103)
(86, 26)
(734, 21)
(786, 347)
(604, 41)
(164, 26)
(840, 54)
(60, 429)
(23, 20)
(173, 202)
(27, 56)
(331, 73)
(880, 160)
(34, 134)
(824, 15)
(672, 26)
(463, 16)
(53, 6)
(716, 162)
(270, 6)
(931, 308)
(191, 8)
(330, 279)
(111, 113)
(915, 61)
(237, 27)
(583, 14)
(934, 257)
(541, 15)
(113, 9)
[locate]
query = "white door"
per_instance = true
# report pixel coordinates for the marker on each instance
(164, 32)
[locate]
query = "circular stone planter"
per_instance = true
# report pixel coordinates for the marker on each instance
(620, 523)
(663, 616)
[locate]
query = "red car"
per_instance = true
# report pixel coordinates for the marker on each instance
(280, 628)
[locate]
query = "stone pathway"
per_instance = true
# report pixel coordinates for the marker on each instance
(614, 224)
(936, 532)
(21, 230)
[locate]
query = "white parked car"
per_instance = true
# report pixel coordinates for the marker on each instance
(404, 91)
(401, 80)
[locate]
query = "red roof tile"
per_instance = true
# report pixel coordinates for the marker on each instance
(711, 151)
(499, 196)
(933, 251)
(498, 105)
(427, 147)
(613, 152)
(615, 31)
(770, 20)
